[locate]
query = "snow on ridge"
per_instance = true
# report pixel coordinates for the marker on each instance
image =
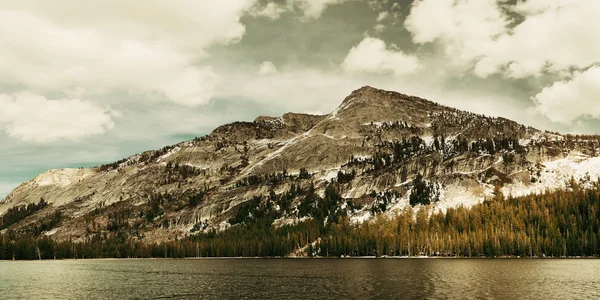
(361, 216)
(524, 142)
(455, 196)
(171, 152)
(376, 124)
(283, 221)
(275, 121)
(330, 174)
(399, 204)
(403, 183)
(428, 139)
(556, 174)
(223, 226)
(362, 157)
(201, 167)
(450, 196)
(130, 160)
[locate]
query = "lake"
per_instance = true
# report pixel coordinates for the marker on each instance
(302, 278)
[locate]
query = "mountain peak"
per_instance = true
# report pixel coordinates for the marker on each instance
(374, 95)
(382, 138)
(369, 104)
(367, 88)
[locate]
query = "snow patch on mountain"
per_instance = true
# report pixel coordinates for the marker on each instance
(399, 204)
(329, 174)
(428, 139)
(456, 195)
(285, 220)
(557, 174)
(376, 124)
(360, 217)
(166, 155)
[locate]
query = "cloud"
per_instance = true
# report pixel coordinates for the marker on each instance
(463, 27)
(272, 10)
(527, 39)
(554, 36)
(191, 25)
(310, 9)
(530, 7)
(299, 89)
(373, 56)
(33, 118)
(157, 49)
(267, 68)
(566, 101)
(382, 16)
(313, 9)
(379, 28)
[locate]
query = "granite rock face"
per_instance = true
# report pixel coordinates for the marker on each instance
(385, 139)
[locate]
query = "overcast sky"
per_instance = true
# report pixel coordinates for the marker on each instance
(89, 82)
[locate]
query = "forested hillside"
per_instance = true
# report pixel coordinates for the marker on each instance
(555, 224)
(385, 173)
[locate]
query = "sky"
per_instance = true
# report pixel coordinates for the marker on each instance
(89, 82)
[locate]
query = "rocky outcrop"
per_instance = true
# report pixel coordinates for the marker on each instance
(383, 138)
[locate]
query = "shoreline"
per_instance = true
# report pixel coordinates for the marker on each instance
(317, 258)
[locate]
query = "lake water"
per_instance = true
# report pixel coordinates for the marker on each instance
(301, 278)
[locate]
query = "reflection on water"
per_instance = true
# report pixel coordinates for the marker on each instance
(301, 278)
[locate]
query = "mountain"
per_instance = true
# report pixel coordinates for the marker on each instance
(381, 151)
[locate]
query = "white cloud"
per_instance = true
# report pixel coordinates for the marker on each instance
(530, 7)
(313, 9)
(33, 118)
(464, 27)
(566, 101)
(187, 24)
(153, 49)
(382, 16)
(272, 10)
(293, 90)
(373, 56)
(267, 68)
(378, 5)
(310, 9)
(555, 36)
(379, 28)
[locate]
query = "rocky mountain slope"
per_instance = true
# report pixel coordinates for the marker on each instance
(376, 150)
